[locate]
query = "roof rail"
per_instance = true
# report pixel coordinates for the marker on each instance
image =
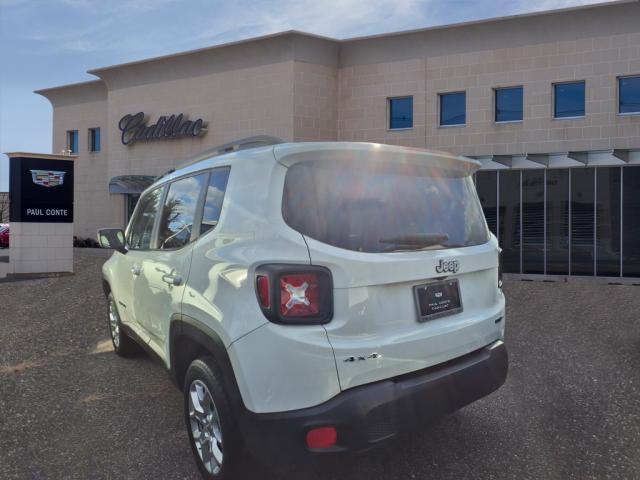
(233, 146)
(240, 144)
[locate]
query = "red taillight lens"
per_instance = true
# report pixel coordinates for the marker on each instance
(299, 295)
(324, 437)
(262, 286)
(294, 294)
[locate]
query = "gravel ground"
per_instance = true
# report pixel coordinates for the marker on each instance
(70, 408)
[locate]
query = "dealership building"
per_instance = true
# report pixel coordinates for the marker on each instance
(549, 103)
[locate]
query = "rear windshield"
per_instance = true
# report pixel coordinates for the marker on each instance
(375, 207)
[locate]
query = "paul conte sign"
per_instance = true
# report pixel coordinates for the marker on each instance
(40, 190)
(135, 128)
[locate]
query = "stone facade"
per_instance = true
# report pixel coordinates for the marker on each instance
(41, 247)
(301, 87)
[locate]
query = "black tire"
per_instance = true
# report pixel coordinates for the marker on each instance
(125, 346)
(204, 370)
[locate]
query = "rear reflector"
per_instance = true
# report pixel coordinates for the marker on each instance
(262, 285)
(324, 437)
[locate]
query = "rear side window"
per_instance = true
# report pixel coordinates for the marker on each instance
(383, 207)
(179, 210)
(142, 225)
(215, 196)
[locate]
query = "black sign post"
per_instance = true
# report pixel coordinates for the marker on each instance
(40, 188)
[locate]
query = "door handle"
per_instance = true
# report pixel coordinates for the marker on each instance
(175, 280)
(136, 270)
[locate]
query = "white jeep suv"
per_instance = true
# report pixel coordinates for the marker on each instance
(310, 298)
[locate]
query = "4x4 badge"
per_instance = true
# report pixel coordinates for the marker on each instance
(373, 356)
(447, 266)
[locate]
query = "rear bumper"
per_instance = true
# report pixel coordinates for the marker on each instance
(368, 415)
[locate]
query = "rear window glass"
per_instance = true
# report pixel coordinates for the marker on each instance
(375, 207)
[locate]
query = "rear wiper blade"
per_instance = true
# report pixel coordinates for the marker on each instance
(417, 240)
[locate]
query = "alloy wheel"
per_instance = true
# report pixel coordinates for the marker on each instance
(205, 427)
(114, 324)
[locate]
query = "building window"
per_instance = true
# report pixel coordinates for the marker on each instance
(629, 94)
(453, 109)
(72, 141)
(400, 113)
(508, 106)
(568, 100)
(94, 139)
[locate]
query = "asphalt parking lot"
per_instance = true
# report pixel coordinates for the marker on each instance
(70, 408)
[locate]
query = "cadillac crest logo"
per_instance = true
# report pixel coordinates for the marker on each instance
(47, 178)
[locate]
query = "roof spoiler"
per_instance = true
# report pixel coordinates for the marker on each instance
(348, 151)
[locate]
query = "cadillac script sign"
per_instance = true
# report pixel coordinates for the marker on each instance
(135, 128)
(40, 189)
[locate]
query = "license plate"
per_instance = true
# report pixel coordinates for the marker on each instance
(437, 299)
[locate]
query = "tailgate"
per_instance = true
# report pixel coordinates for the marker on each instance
(376, 332)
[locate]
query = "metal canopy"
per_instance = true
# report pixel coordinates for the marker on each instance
(130, 183)
(592, 158)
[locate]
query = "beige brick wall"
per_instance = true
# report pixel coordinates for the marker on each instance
(79, 109)
(315, 102)
(235, 103)
(598, 61)
(43, 247)
(300, 87)
(362, 101)
(364, 89)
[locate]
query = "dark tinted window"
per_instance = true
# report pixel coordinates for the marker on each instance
(401, 112)
(72, 141)
(569, 100)
(629, 94)
(582, 221)
(487, 187)
(453, 108)
(179, 210)
(142, 226)
(94, 139)
(608, 221)
(508, 104)
(215, 196)
(509, 218)
(374, 207)
(557, 222)
(631, 222)
(533, 221)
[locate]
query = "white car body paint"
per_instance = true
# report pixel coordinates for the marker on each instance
(374, 333)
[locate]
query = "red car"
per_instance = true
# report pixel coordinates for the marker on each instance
(4, 236)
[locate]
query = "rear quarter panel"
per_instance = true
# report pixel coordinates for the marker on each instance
(220, 289)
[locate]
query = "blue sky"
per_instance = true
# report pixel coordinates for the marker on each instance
(46, 43)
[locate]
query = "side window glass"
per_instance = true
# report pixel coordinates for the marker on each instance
(178, 212)
(142, 226)
(215, 196)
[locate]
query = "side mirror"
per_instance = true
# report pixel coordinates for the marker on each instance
(112, 238)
